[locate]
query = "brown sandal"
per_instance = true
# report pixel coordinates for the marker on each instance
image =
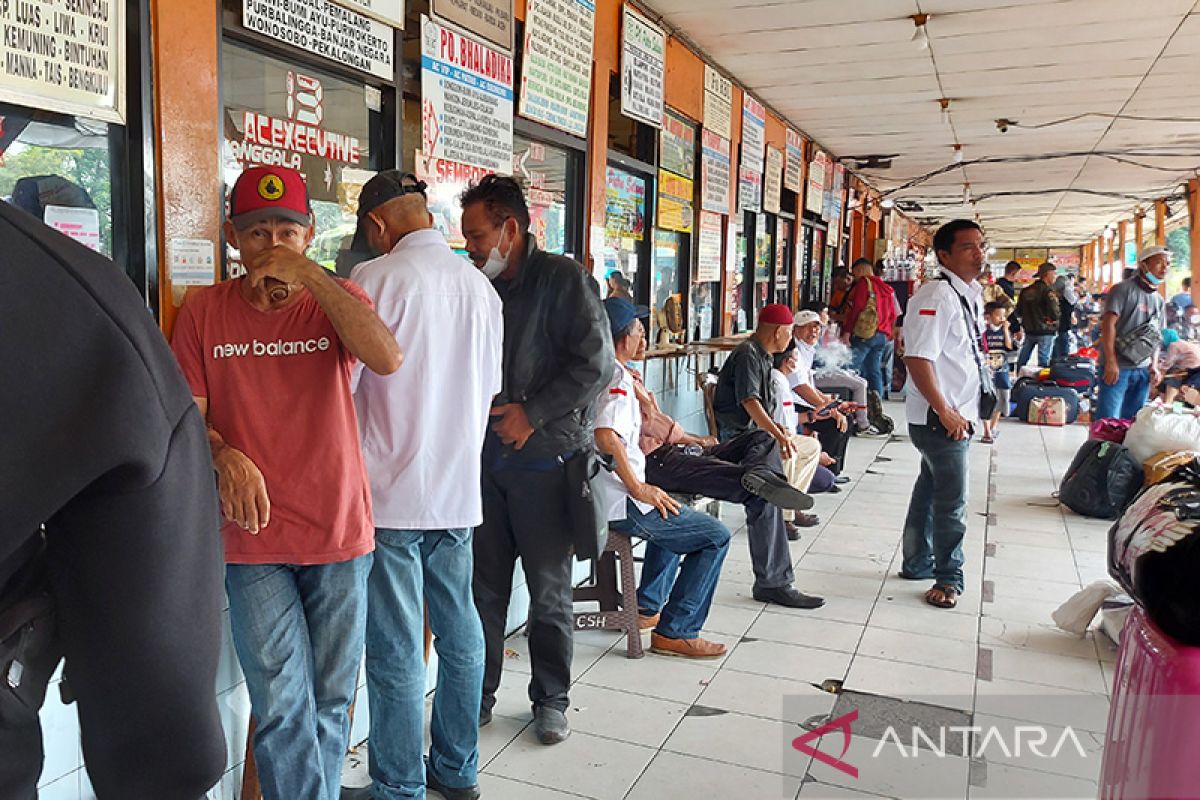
(942, 596)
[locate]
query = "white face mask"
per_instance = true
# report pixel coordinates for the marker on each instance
(496, 263)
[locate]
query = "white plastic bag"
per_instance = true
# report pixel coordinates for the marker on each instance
(1113, 614)
(1158, 428)
(1076, 615)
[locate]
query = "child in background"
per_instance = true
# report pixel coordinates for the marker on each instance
(998, 342)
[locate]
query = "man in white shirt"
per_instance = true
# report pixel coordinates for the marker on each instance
(675, 599)
(943, 353)
(422, 431)
(824, 416)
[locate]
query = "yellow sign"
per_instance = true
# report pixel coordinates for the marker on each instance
(674, 202)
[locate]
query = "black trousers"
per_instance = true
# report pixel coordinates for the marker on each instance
(718, 471)
(833, 442)
(525, 516)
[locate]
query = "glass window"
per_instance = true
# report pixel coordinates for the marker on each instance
(666, 319)
(783, 238)
(276, 113)
(736, 302)
(764, 262)
(624, 231)
(59, 169)
(543, 171)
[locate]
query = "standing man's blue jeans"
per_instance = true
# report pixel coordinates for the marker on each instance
(1045, 348)
(702, 541)
(1062, 344)
(937, 513)
(867, 355)
(298, 632)
(418, 573)
(886, 364)
(1125, 398)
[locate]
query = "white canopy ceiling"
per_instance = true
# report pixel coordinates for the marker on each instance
(848, 73)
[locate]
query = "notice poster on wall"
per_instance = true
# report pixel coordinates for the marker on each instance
(467, 100)
(556, 82)
(490, 20)
(81, 224)
(814, 199)
(643, 65)
(675, 210)
(624, 205)
(718, 103)
(715, 167)
(708, 248)
(773, 181)
(325, 29)
(67, 57)
(750, 184)
(793, 171)
(754, 133)
(677, 145)
(191, 262)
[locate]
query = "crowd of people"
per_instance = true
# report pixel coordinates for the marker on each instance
(367, 489)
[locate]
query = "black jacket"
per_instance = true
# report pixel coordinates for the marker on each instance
(558, 352)
(103, 444)
(1038, 307)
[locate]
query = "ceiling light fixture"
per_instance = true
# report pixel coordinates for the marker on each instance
(958, 154)
(966, 193)
(887, 202)
(920, 36)
(944, 102)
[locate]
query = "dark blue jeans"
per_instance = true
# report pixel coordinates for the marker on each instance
(867, 359)
(1125, 398)
(702, 541)
(1044, 345)
(937, 513)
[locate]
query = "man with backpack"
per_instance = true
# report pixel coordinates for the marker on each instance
(870, 315)
(1038, 308)
(1131, 336)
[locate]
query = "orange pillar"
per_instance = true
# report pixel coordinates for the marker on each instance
(1193, 198)
(186, 41)
(1109, 270)
(857, 229)
(1121, 246)
(1160, 223)
(1138, 232)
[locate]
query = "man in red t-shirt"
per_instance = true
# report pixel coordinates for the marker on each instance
(269, 358)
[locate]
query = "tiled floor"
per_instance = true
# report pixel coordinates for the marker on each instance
(662, 728)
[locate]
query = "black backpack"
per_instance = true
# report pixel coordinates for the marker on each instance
(1102, 480)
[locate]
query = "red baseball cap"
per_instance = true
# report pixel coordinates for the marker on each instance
(775, 314)
(269, 193)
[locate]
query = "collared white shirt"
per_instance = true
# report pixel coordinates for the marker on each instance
(802, 375)
(936, 329)
(617, 409)
(423, 426)
(784, 414)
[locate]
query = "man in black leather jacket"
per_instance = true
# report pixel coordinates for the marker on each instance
(109, 551)
(558, 356)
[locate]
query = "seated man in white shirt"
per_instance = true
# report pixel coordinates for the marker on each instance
(674, 599)
(831, 425)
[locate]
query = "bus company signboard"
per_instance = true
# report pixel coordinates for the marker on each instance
(490, 20)
(326, 29)
(643, 67)
(556, 78)
(718, 103)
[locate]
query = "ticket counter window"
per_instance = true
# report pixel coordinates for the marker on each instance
(666, 307)
(624, 233)
(276, 113)
(545, 173)
(59, 169)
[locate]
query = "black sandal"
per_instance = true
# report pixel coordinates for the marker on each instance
(942, 596)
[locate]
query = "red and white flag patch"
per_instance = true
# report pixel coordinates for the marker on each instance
(928, 312)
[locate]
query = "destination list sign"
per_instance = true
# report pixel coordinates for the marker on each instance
(64, 55)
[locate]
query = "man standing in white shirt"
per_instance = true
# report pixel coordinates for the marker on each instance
(943, 353)
(422, 431)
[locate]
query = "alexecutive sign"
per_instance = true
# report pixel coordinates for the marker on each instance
(467, 100)
(326, 29)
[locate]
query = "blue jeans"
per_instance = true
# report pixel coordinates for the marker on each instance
(1045, 347)
(1062, 344)
(703, 542)
(1125, 398)
(937, 513)
(418, 573)
(886, 364)
(298, 632)
(866, 357)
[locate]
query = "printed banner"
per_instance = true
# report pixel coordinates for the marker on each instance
(467, 100)
(677, 146)
(754, 133)
(773, 181)
(715, 177)
(718, 103)
(490, 20)
(625, 205)
(749, 190)
(674, 202)
(64, 56)
(793, 173)
(326, 29)
(708, 248)
(643, 65)
(814, 199)
(556, 81)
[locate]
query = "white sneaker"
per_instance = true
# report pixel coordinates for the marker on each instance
(873, 433)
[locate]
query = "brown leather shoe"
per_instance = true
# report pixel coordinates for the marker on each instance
(685, 648)
(647, 623)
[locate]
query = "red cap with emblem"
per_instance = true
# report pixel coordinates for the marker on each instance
(269, 193)
(775, 314)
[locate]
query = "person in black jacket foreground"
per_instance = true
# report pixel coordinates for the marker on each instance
(558, 356)
(109, 554)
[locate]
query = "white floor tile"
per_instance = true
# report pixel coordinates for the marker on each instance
(1000, 782)
(671, 776)
(810, 629)
(794, 662)
(923, 618)
(740, 740)
(620, 715)
(911, 682)
(1018, 664)
(884, 770)
(591, 766)
(919, 648)
(786, 699)
(672, 679)
(495, 787)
